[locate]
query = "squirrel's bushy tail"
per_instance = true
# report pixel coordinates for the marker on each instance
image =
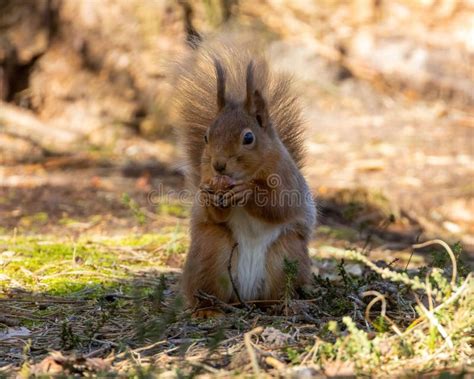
(196, 98)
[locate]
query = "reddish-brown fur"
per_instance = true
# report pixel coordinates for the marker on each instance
(196, 99)
(224, 94)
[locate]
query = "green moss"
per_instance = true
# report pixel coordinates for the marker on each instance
(63, 286)
(138, 240)
(64, 267)
(67, 221)
(345, 234)
(381, 325)
(294, 355)
(173, 209)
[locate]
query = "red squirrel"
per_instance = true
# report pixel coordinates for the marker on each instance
(242, 137)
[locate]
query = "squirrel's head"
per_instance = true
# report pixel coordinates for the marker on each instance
(241, 137)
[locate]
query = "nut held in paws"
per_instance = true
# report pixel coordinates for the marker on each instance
(221, 183)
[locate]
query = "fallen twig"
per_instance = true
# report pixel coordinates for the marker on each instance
(214, 302)
(250, 350)
(383, 312)
(378, 297)
(229, 271)
(434, 321)
(450, 253)
(385, 273)
(449, 301)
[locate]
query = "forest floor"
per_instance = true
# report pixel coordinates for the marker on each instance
(92, 239)
(92, 246)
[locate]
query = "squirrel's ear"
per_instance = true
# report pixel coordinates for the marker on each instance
(261, 112)
(220, 76)
(255, 103)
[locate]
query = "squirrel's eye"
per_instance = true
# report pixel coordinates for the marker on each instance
(248, 138)
(205, 138)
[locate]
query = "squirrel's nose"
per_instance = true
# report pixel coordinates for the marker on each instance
(219, 166)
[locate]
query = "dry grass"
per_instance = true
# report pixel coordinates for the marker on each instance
(123, 317)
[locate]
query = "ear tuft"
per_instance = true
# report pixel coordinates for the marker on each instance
(220, 76)
(249, 87)
(260, 111)
(254, 102)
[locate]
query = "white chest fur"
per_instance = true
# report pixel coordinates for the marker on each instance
(253, 238)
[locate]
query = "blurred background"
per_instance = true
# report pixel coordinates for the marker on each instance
(388, 89)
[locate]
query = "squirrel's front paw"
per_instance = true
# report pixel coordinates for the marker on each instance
(218, 190)
(211, 199)
(238, 195)
(218, 183)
